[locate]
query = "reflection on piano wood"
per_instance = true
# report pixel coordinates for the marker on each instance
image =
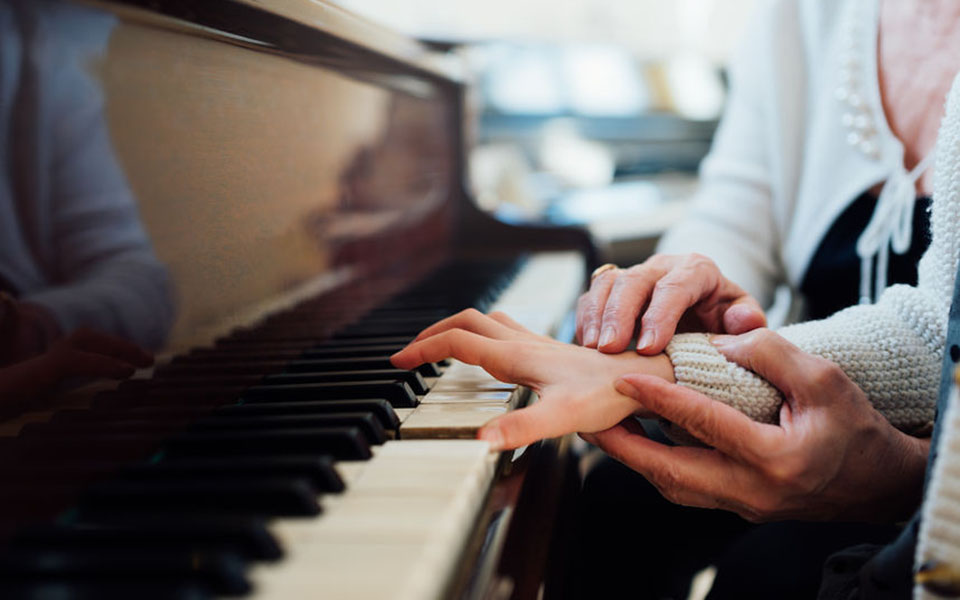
(288, 458)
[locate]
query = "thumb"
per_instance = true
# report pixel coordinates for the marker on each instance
(770, 356)
(525, 426)
(743, 315)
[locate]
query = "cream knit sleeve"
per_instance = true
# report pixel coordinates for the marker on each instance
(891, 349)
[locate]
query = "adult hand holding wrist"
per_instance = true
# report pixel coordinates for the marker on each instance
(832, 456)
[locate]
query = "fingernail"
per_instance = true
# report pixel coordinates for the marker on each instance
(647, 339)
(493, 436)
(626, 388)
(590, 337)
(607, 336)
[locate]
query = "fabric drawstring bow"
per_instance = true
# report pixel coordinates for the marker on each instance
(890, 227)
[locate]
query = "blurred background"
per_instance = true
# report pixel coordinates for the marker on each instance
(591, 112)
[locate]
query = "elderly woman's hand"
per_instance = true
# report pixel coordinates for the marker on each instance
(575, 384)
(831, 457)
(679, 292)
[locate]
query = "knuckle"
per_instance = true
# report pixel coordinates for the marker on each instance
(667, 479)
(659, 260)
(612, 312)
(762, 337)
(582, 303)
(676, 289)
(700, 261)
(761, 513)
(826, 374)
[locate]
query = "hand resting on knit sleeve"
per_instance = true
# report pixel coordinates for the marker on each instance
(574, 384)
(831, 456)
(670, 293)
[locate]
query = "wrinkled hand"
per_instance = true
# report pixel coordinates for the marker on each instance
(832, 455)
(575, 384)
(84, 353)
(686, 293)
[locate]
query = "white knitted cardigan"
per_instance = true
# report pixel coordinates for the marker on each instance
(892, 350)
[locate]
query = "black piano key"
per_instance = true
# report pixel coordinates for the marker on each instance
(380, 408)
(246, 537)
(130, 413)
(354, 364)
(267, 365)
(169, 396)
(219, 369)
(396, 393)
(375, 340)
(77, 447)
(231, 342)
(211, 355)
(411, 378)
(405, 331)
(342, 443)
(159, 429)
(217, 380)
(83, 589)
(345, 350)
(269, 497)
(221, 572)
(62, 471)
(317, 470)
(366, 422)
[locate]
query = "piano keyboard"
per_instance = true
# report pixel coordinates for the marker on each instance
(287, 461)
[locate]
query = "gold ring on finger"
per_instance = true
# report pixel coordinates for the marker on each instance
(602, 269)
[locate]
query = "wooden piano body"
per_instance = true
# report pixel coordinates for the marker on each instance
(290, 158)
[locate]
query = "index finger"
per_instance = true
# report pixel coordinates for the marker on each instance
(590, 308)
(497, 357)
(712, 422)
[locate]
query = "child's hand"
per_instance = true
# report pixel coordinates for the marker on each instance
(575, 384)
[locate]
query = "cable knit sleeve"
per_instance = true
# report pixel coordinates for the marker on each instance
(891, 349)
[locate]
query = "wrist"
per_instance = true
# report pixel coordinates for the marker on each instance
(660, 366)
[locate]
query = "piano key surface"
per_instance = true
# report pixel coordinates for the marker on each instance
(395, 510)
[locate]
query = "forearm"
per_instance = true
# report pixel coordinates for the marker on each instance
(891, 350)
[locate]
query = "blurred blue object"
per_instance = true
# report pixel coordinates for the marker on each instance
(623, 200)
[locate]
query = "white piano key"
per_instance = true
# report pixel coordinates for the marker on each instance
(458, 397)
(399, 529)
(539, 298)
(394, 533)
(455, 420)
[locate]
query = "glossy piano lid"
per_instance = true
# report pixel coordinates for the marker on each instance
(287, 25)
(271, 150)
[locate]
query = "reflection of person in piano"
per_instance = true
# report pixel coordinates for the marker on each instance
(83, 353)
(72, 250)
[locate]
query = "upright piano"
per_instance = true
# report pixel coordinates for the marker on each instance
(300, 174)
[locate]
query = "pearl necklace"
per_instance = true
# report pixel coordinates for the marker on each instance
(892, 220)
(857, 116)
